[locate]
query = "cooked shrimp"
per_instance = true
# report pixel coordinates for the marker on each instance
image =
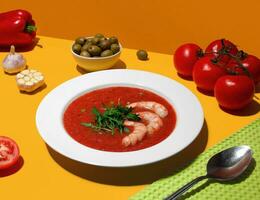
(137, 134)
(158, 108)
(154, 121)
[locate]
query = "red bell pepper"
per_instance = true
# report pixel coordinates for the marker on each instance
(17, 28)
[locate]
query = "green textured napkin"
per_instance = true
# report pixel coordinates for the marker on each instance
(246, 187)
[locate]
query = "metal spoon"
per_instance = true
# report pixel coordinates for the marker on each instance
(223, 166)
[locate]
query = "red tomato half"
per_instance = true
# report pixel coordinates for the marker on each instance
(185, 57)
(251, 63)
(9, 152)
(206, 73)
(216, 45)
(234, 92)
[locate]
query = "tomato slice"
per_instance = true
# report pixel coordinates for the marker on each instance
(9, 152)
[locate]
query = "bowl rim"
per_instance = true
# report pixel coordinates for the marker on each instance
(96, 58)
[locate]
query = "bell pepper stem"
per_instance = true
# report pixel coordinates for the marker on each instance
(29, 28)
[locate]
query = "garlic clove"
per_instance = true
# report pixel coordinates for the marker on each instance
(14, 62)
(29, 80)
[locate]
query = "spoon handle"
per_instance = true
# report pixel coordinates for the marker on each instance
(186, 187)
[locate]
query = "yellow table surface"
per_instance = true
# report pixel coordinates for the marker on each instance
(48, 175)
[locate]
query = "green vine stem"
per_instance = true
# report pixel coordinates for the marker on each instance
(226, 51)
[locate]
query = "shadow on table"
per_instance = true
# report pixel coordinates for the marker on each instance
(135, 175)
(239, 179)
(38, 90)
(251, 109)
(24, 48)
(12, 170)
(118, 65)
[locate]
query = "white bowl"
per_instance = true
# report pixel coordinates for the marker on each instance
(189, 115)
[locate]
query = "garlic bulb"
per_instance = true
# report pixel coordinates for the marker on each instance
(14, 62)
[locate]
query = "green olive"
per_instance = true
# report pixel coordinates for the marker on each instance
(115, 48)
(85, 53)
(89, 40)
(102, 39)
(104, 44)
(142, 55)
(95, 41)
(106, 53)
(80, 40)
(94, 50)
(96, 46)
(85, 46)
(99, 35)
(76, 48)
(113, 40)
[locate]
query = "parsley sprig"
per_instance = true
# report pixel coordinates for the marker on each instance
(113, 118)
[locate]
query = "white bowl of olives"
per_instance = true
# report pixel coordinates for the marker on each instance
(97, 52)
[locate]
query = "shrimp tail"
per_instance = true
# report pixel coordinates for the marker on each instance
(136, 135)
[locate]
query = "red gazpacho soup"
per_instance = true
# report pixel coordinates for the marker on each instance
(119, 119)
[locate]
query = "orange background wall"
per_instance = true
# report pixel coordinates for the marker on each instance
(155, 25)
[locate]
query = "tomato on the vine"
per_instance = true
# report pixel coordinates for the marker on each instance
(251, 63)
(206, 73)
(185, 57)
(214, 50)
(234, 91)
(9, 152)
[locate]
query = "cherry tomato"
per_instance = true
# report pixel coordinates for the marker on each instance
(206, 73)
(185, 57)
(251, 63)
(234, 91)
(217, 45)
(9, 152)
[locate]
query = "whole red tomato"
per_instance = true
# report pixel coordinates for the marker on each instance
(218, 45)
(251, 63)
(185, 57)
(206, 73)
(234, 91)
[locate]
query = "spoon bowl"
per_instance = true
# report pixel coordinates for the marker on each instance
(229, 163)
(223, 166)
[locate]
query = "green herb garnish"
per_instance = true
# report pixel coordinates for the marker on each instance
(113, 118)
